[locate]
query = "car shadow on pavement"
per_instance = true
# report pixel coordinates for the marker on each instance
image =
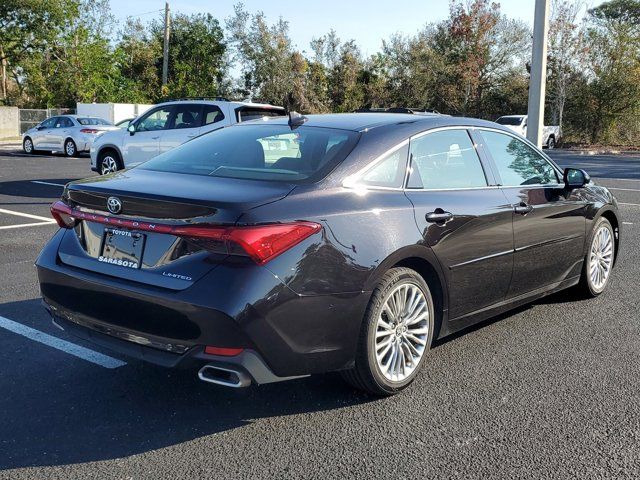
(30, 189)
(56, 409)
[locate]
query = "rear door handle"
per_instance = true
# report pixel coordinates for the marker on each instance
(522, 208)
(438, 215)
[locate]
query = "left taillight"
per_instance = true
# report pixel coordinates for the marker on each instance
(63, 215)
(89, 130)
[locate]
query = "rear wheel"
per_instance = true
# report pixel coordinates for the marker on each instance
(27, 146)
(598, 262)
(396, 334)
(108, 162)
(70, 149)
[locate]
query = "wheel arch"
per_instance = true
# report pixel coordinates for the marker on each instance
(422, 260)
(106, 147)
(613, 218)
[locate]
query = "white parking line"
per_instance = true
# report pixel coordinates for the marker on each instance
(27, 215)
(624, 189)
(47, 183)
(37, 224)
(62, 345)
(627, 223)
(632, 204)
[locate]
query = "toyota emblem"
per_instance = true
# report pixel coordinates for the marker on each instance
(114, 205)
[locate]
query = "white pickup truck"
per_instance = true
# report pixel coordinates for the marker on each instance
(518, 123)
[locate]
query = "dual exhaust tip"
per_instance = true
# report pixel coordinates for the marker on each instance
(227, 377)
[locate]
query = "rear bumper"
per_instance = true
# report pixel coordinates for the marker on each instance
(229, 307)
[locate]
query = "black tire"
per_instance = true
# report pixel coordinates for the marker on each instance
(586, 287)
(70, 148)
(107, 160)
(366, 375)
(27, 146)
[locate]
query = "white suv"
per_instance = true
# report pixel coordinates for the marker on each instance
(167, 125)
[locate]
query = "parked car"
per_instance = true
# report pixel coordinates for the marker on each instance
(168, 125)
(124, 123)
(70, 134)
(518, 123)
(379, 235)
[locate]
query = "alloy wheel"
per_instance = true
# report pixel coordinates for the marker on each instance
(601, 258)
(401, 333)
(70, 148)
(109, 165)
(28, 146)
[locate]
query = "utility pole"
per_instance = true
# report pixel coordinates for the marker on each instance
(165, 57)
(538, 82)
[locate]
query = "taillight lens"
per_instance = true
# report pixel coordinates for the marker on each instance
(260, 242)
(89, 130)
(63, 215)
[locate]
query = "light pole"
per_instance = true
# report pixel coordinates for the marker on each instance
(537, 84)
(165, 53)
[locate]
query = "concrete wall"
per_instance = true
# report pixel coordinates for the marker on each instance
(114, 112)
(9, 122)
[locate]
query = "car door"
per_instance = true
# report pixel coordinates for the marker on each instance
(463, 217)
(183, 125)
(39, 136)
(59, 132)
(548, 221)
(144, 143)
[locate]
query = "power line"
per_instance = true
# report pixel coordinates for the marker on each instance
(146, 13)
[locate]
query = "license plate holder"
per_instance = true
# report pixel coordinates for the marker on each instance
(123, 248)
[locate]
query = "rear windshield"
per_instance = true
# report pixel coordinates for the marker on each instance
(509, 121)
(245, 114)
(259, 152)
(93, 121)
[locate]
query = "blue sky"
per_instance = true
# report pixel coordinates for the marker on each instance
(368, 22)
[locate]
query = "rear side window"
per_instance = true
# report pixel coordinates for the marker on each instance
(513, 121)
(211, 114)
(93, 121)
(443, 160)
(259, 152)
(517, 162)
(388, 172)
(254, 113)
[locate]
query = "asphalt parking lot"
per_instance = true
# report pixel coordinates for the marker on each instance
(547, 391)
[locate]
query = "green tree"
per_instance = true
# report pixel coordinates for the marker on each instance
(197, 56)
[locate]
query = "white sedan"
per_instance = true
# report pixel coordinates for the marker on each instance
(70, 134)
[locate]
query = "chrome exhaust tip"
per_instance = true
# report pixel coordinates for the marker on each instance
(224, 376)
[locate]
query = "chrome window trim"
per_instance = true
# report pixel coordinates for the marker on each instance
(526, 142)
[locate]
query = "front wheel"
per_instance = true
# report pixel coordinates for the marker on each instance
(396, 334)
(70, 149)
(108, 163)
(598, 262)
(27, 146)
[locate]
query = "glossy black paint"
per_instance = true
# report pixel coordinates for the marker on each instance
(302, 311)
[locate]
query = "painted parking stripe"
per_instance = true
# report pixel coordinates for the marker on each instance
(62, 345)
(23, 225)
(27, 215)
(632, 204)
(47, 183)
(624, 189)
(627, 223)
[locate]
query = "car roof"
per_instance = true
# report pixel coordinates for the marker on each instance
(361, 122)
(218, 102)
(513, 116)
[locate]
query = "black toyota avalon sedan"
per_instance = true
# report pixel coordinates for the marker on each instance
(286, 247)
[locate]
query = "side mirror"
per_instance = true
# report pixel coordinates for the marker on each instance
(39, 127)
(575, 178)
(131, 129)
